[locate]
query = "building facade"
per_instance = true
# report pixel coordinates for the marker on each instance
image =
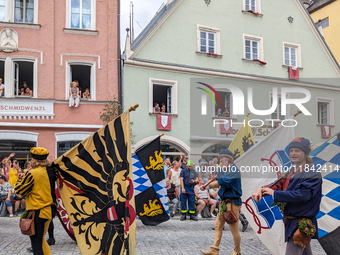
(234, 42)
(47, 45)
(327, 20)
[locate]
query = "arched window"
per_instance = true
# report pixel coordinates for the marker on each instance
(213, 151)
(171, 151)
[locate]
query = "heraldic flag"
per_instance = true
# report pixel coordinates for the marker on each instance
(95, 185)
(151, 197)
(326, 159)
(243, 140)
(259, 165)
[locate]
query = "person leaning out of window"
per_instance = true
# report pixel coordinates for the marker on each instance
(87, 94)
(2, 88)
(74, 95)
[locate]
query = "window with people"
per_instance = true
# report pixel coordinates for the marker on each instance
(81, 85)
(223, 110)
(162, 98)
(23, 78)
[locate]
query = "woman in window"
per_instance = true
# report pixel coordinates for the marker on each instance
(163, 108)
(219, 113)
(87, 94)
(2, 88)
(28, 92)
(74, 95)
(226, 113)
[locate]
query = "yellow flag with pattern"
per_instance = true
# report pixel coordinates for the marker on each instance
(243, 140)
(96, 186)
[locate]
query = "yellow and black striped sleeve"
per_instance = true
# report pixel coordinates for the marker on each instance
(25, 186)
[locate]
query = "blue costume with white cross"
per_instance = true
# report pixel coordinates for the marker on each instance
(190, 193)
(303, 197)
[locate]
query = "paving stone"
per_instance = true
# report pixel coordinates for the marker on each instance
(170, 238)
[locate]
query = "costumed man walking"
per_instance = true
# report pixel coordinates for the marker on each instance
(38, 187)
(188, 183)
(301, 190)
(230, 192)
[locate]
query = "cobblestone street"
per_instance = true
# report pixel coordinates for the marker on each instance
(172, 237)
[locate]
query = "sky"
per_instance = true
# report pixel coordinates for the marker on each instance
(144, 10)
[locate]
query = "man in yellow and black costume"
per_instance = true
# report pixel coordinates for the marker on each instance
(38, 187)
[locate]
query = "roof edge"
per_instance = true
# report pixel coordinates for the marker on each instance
(318, 7)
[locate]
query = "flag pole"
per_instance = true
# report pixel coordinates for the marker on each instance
(161, 134)
(133, 107)
(297, 113)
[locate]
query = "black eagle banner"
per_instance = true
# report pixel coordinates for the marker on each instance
(95, 185)
(151, 197)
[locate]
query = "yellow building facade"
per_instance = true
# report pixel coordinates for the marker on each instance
(325, 15)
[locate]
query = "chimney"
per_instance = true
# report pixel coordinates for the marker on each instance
(320, 30)
(128, 50)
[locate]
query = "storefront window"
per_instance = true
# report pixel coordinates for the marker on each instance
(63, 147)
(213, 151)
(20, 148)
(171, 151)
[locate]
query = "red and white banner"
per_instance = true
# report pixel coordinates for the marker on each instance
(326, 131)
(163, 122)
(63, 216)
(293, 73)
(263, 156)
(226, 128)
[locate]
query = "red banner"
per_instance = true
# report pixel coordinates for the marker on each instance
(164, 122)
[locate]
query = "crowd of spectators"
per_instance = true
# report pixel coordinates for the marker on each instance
(207, 200)
(9, 172)
(172, 172)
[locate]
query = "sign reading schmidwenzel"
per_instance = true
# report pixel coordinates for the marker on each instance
(26, 107)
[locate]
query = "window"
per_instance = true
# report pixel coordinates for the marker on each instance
(208, 40)
(171, 151)
(19, 11)
(323, 112)
(84, 73)
(63, 147)
(252, 49)
(277, 113)
(21, 148)
(213, 151)
(24, 11)
(252, 6)
(162, 95)
(2, 10)
(163, 92)
(226, 108)
(81, 14)
(23, 78)
(2, 76)
(323, 23)
(291, 55)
